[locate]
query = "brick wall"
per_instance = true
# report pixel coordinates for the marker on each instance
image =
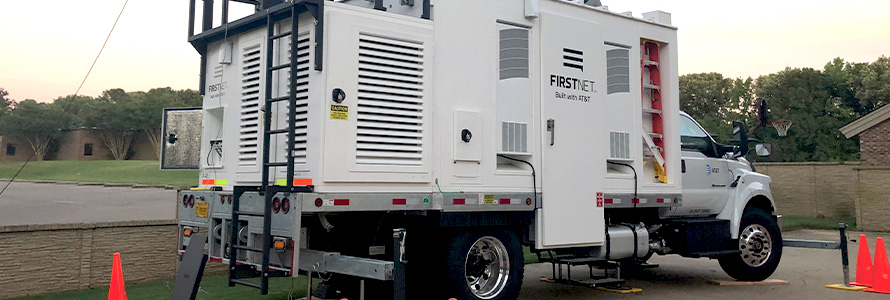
(844, 189)
(72, 144)
(813, 188)
(143, 148)
(36, 259)
(22, 149)
(873, 205)
(874, 145)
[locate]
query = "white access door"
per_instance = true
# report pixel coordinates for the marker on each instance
(574, 139)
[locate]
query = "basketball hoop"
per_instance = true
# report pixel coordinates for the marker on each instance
(781, 126)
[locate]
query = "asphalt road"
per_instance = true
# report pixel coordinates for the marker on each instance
(26, 203)
(807, 271)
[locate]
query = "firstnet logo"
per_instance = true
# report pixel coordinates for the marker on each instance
(572, 58)
(571, 83)
(575, 88)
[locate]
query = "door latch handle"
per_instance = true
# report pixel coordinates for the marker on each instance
(551, 127)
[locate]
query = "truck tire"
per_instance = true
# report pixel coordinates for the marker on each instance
(484, 265)
(760, 241)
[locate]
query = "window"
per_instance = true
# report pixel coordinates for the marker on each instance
(10, 149)
(87, 149)
(693, 137)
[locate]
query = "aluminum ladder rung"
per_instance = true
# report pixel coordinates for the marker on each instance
(247, 248)
(280, 35)
(249, 213)
(246, 283)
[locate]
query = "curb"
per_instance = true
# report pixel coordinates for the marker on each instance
(129, 185)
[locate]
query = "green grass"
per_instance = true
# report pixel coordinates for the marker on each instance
(104, 171)
(530, 258)
(213, 287)
(806, 222)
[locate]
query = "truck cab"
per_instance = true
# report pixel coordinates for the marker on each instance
(719, 183)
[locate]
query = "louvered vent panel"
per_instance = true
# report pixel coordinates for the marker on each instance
(617, 71)
(248, 147)
(620, 145)
(514, 53)
(390, 102)
(514, 137)
(302, 97)
(218, 72)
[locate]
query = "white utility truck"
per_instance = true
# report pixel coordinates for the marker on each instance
(415, 146)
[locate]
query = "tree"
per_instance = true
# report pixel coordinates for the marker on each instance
(77, 106)
(38, 123)
(150, 108)
(811, 99)
(114, 117)
(5, 103)
(715, 101)
(871, 84)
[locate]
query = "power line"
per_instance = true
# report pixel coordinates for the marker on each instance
(73, 98)
(103, 48)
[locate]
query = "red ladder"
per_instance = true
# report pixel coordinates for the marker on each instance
(651, 87)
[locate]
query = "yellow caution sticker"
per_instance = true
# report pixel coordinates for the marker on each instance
(202, 209)
(488, 199)
(339, 112)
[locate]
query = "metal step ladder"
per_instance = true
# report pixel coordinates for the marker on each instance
(651, 87)
(269, 190)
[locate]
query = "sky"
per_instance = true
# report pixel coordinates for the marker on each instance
(46, 49)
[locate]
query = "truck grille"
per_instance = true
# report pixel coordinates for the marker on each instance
(390, 102)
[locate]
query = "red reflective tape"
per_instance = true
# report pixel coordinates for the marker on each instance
(504, 201)
(459, 201)
(214, 259)
(399, 201)
(341, 201)
(634, 200)
(659, 200)
(609, 201)
(303, 181)
(207, 182)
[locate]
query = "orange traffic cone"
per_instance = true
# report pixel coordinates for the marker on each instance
(863, 264)
(116, 291)
(880, 279)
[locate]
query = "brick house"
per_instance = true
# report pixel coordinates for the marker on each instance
(76, 144)
(873, 130)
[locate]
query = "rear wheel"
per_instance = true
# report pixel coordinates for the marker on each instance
(484, 265)
(760, 243)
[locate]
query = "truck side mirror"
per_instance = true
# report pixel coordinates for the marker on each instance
(740, 136)
(763, 150)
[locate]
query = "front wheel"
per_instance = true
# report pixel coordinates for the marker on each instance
(484, 265)
(760, 243)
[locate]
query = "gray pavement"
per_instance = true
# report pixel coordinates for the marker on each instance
(807, 270)
(27, 203)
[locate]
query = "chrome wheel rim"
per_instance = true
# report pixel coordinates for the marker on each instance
(756, 245)
(487, 267)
